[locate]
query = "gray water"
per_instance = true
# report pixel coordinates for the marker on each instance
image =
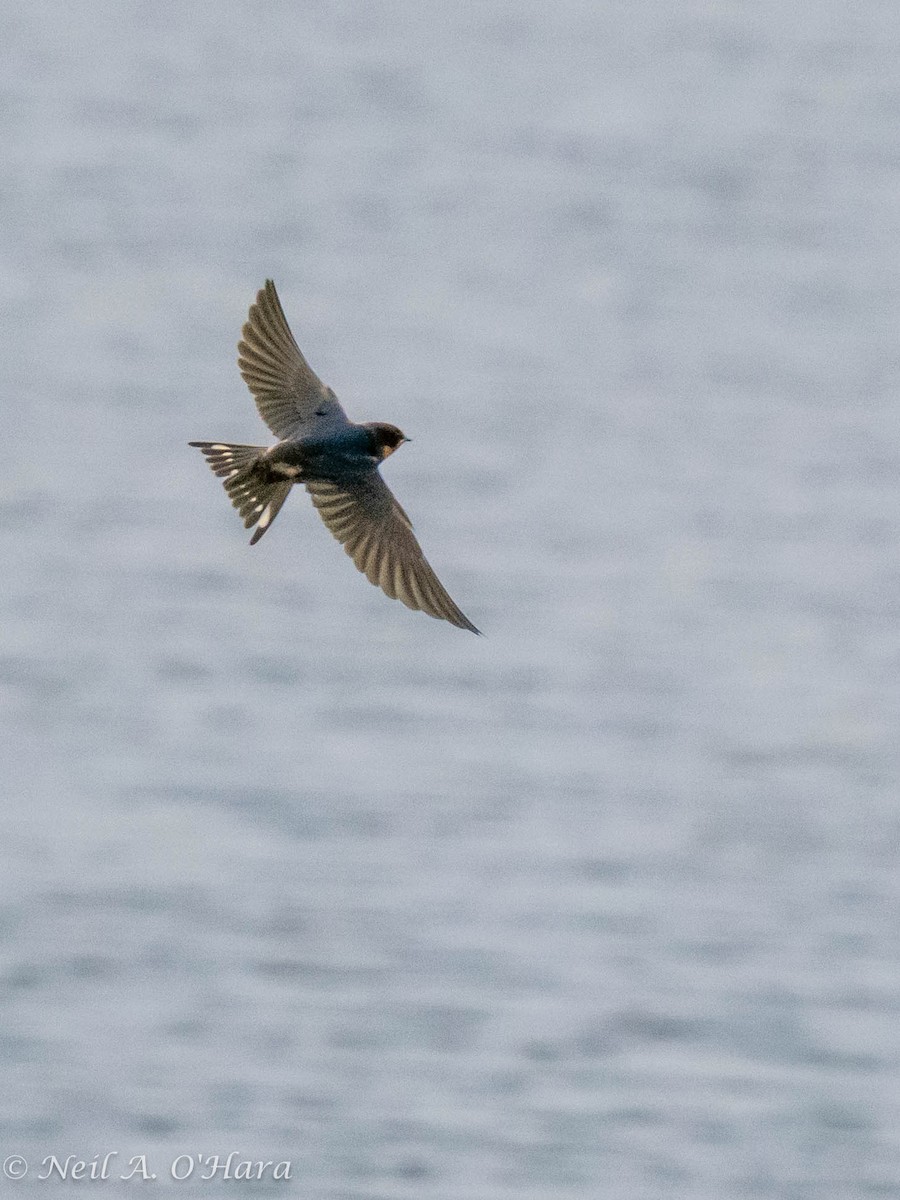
(607, 902)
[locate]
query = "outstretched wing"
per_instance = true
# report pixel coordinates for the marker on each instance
(377, 534)
(291, 398)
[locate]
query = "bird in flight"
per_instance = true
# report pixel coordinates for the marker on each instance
(335, 459)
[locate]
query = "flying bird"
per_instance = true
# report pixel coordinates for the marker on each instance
(335, 459)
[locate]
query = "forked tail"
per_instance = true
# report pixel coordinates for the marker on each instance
(255, 491)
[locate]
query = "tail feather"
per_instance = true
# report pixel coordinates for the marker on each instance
(228, 460)
(253, 492)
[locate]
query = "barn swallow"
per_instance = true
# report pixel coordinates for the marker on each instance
(335, 459)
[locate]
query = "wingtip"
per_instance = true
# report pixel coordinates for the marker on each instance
(461, 621)
(265, 292)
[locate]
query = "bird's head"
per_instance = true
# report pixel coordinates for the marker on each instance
(385, 438)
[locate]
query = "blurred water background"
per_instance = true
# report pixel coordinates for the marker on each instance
(607, 902)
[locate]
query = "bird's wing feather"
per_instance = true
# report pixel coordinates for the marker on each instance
(374, 530)
(289, 395)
